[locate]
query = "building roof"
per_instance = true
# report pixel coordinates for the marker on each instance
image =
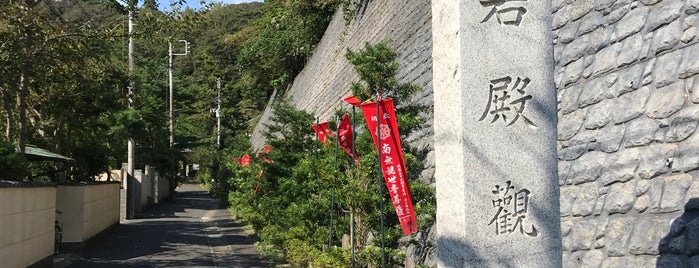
(38, 154)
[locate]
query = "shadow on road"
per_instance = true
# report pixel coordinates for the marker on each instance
(191, 230)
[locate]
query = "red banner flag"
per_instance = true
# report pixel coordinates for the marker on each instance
(244, 161)
(322, 130)
(259, 177)
(392, 161)
(344, 136)
(353, 100)
(261, 156)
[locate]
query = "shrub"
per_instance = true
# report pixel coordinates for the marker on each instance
(14, 166)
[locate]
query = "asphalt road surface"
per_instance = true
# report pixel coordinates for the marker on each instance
(191, 230)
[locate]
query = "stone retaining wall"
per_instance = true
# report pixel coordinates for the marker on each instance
(628, 93)
(326, 79)
(628, 152)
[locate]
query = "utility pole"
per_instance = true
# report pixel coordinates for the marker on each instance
(172, 118)
(130, 180)
(169, 68)
(218, 113)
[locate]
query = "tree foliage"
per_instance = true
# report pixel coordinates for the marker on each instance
(60, 70)
(290, 200)
(13, 165)
(64, 85)
(284, 39)
(377, 68)
(63, 79)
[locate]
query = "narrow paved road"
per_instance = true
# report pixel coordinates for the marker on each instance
(192, 230)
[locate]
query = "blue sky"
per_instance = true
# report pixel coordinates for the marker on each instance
(165, 4)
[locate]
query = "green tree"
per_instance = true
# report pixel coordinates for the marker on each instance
(212, 58)
(61, 72)
(284, 39)
(14, 165)
(307, 179)
(377, 68)
(150, 4)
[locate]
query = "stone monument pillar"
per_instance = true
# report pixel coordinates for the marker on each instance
(495, 134)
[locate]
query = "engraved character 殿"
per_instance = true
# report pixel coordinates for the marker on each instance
(504, 15)
(499, 104)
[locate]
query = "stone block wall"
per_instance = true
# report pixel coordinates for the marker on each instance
(628, 109)
(628, 149)
(320, 88)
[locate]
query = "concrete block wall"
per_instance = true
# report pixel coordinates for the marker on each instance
(153, 187)
(147, 186)
(27, 214)
(162, 191)
(626, 75)
(69, 201)
(101, 206)
(86, 210)
(137, 191)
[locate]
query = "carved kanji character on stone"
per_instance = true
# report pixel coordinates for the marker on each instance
(510, 216)
(511, 15)
(499, 104)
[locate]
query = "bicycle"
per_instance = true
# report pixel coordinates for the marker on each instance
(58, 235)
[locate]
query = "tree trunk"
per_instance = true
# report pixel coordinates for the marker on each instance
(10, 120)
(22, 108)
(24, 78)
(58, 133)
